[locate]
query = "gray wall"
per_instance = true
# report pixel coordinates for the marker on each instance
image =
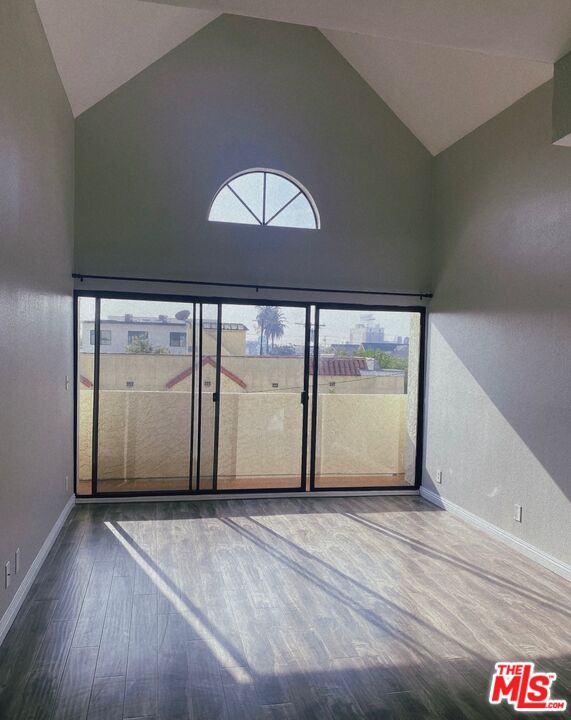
(247, 93)
(499, 376)
(36, 225)
(562, 100)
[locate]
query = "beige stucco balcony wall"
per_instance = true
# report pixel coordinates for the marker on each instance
(145, 434)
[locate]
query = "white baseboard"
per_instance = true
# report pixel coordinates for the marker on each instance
(530, 551)
(8, 618)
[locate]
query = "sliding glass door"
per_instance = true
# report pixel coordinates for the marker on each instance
(85, 383)
(263, 408)
(178, 396)
(208, 336)
(144, 370)
(366, 379)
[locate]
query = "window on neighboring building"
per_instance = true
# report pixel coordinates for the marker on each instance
(177, 339)
(105, 337)
(264, 197)
(132, 334)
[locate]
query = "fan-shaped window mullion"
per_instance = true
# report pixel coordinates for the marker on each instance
(297, 214)
(264, 197)
(248, 208)
(289, 202)
(264, 200)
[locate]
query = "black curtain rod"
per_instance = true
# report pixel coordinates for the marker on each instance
(82, 277)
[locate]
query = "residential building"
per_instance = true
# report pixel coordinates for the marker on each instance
(163, 334)
(119, 333)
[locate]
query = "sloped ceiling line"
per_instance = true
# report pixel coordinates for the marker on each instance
(444, 67)
(98, 45)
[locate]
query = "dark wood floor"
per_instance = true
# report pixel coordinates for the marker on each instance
(380, 607)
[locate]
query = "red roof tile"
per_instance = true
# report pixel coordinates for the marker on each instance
(342, 366)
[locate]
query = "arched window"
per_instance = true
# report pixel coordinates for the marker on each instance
(264, 197)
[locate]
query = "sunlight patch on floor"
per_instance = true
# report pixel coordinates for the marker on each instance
(223, 655)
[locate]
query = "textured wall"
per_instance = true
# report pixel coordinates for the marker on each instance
(246, 93)
(561, 123)
(36, 225)
(499, 380)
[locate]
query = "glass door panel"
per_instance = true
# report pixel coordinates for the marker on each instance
(145, 405)
(208, 321)
(367, 398)
(85, 393)
(262, 397)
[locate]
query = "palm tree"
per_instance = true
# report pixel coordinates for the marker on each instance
(276, 326)
(262, 319)
(271, 324)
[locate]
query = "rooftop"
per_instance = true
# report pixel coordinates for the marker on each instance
(164, 320)
(342, 366)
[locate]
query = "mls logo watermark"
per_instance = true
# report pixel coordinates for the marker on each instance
(525, 689)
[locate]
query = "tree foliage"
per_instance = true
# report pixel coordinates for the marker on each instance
(271, 325)
(142, 345)
(283, 350)
(384, 359)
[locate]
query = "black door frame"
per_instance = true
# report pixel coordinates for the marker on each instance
(303, 397)
(309, 439)
(420, 405)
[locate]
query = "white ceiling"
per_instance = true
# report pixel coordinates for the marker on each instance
(443, 66)
(531, 29)
(100, 44)
(439, 93)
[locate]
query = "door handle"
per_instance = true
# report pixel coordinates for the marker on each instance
(215, 397)
(304, 397)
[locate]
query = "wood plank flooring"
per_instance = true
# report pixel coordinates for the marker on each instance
(378, 607)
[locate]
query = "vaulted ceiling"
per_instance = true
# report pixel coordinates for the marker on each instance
(443, 66)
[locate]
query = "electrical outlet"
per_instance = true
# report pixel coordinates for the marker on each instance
(67, 483)
(67, 382)
(439, 476)
(517, 512)
(17, 561)
(7, 575)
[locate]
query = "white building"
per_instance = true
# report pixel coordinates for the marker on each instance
(367, 330)
(119, 331)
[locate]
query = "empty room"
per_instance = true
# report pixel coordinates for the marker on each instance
(285, 359)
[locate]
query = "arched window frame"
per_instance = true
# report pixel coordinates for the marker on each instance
(265, 221)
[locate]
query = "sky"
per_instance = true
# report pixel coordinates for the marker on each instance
(335, 325)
